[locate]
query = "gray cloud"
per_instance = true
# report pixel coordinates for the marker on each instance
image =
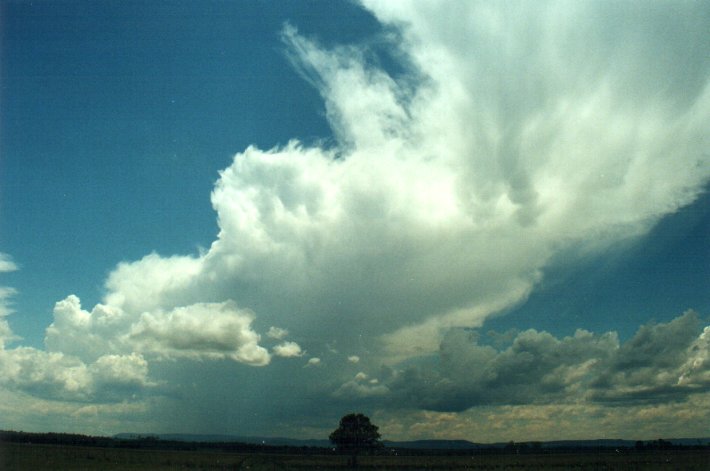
(661, 363)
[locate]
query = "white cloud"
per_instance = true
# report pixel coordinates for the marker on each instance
(200, 331)
(154, 282)
(288, 350)
(6, 334)
(115, 370)
(6, 293)
(448, 191)
(277, 333)
(315, 361)
(360, 376)
(516, 133)
(62, 377)
(6, 263)
(358, 388)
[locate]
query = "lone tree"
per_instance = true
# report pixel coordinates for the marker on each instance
(355, 434)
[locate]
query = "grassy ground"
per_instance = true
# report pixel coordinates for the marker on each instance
(14, 456)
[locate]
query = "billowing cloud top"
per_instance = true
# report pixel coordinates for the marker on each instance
(512, 132)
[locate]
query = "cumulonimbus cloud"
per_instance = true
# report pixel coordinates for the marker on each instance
(513, 132)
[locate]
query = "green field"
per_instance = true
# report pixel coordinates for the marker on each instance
(19, 456)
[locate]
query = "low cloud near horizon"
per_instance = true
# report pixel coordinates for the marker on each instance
(515, 133)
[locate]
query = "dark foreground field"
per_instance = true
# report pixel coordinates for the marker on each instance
(20, 456)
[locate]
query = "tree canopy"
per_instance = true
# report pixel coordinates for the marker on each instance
(356, 433)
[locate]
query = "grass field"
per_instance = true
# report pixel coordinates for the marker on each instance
(17, 456)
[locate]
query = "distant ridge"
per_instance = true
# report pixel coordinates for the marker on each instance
(413, 444)
(212, 438)
(435, 444)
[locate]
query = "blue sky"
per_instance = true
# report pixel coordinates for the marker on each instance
(117, 119)
(394, 207)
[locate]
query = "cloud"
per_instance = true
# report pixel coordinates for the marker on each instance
(6, 263)
(359, 388)
(447, 193)
(288, 350)
(665, 362)
(514, 134)
(62, 377)
(199, 331)
(6, 334)
(204, 330)
(450, 189)
(277, 333)
(6, 293)
(570, 421)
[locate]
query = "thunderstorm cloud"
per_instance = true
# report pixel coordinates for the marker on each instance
(507, 135)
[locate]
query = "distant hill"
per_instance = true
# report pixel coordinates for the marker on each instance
(206, 438)
(435, 444)
(414, 444)
(281, 441)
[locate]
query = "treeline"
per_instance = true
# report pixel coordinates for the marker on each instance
(532, 448)
(151, 443)
(661, 444)
(154, 443)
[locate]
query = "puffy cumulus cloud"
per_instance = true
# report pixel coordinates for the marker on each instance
(315, 361)
(204, 330)
(288, 350)
(277, 333)
(74, 372)
(85, 334)
(199, 331)
(537, 367)
(63, 377)
(120, 370)
(361, 388)
(661, 363)
(154, 282)
(696, 368)
(45, 374)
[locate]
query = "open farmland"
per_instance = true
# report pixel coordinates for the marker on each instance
(20, 456)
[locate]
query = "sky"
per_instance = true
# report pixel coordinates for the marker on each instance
(471, 220)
